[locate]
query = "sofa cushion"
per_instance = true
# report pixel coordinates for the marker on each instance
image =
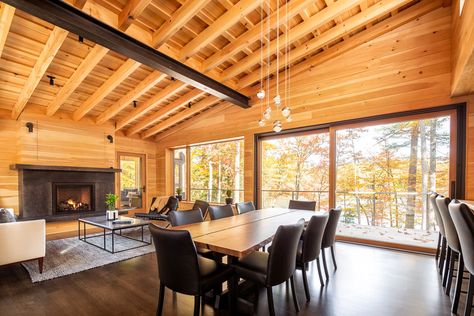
(6, 216)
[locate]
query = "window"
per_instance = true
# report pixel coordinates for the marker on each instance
(179, 171)
(296, 168)
(385, 173)
(216, 168)
(132, 180)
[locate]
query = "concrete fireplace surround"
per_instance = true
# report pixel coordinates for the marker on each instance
(36, 184)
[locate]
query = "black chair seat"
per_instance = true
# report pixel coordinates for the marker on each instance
(253, 267)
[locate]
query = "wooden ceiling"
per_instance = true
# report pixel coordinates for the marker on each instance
(220, 38)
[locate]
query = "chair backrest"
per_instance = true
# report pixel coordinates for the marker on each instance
(451, 233)
(171, 205)
(151, 209)
(463, 220)
(244, 207)
(436, 212)
(282, 258)
(178, 218)
(177, 260)
(202, 206)
(302, 205)
(313, 236)
(329, 236)
(220, 211)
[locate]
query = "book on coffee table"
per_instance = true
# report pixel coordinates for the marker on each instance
(122, 221)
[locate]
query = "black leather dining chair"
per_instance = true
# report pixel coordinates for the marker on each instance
(178, 218)
(454, 249)
(220, 211)
(302, 205)
(463, 220)
(329, 238)
(309, 249)
(275, 268)
(181, 269)
(442, 244)
(244, 207)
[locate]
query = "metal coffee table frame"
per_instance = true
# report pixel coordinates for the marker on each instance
(85, 222)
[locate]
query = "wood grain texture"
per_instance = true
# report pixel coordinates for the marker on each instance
(405, 69)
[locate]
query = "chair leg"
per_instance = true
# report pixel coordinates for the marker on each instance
(293, 293)
(442, 256)
(450, 273)
(323, 252)
(470, 292)
(40, 264)
(438, 248)
(161, 298)
(446, 267)
(197, 304)
(457, 290)
(271, 307)
(305, 283)
(319, 272)
(333, 257)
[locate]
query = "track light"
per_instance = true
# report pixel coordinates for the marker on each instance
(134, 104)
(29, 125)
(110, 138)
(51, 80)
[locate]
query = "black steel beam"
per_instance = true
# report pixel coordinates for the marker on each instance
(75, 21)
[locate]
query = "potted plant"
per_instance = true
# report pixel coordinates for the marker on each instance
(229, 200)
(110, 200)
(179, 194)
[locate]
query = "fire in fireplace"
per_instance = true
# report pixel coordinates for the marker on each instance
(73, 197)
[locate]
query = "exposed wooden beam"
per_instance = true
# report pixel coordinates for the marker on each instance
(6, 17)
(130, 12)
(224, 22)
(372, 13)
(322, 17)
(165, 111)
(252, 35)
(149, 104)
(54, 42)
(404, 17)
(78, 22)
(208, 113)
(181, 116)
(87, 65)
(150, 81)
(112, 82)
(185, 13)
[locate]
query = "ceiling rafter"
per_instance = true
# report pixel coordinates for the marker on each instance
(404, 17)
(6, 17)
(127, 68)
(165, 111)
(195, 109)
(143, 86)
(351, 24)
(54, 42)
(223, 23)
(252, 35)
(130, 12)
(149, 104)
(297, 31)
(94, 56)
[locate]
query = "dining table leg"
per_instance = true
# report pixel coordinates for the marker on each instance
(233, 288)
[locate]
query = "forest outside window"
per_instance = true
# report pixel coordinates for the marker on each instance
(215, 170)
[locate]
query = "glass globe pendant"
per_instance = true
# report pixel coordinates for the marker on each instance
(261, 123)
(277, 126)
(286, 111)
(277, 100)
(261, 94)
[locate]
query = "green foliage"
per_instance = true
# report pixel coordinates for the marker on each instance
(179, 191)
(110, 200)
(228, 193)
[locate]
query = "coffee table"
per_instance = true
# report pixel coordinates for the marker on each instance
(110, 228)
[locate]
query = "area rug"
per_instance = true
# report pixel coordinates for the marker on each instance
(71, 255)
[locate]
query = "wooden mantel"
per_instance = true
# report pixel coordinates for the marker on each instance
(61, 168)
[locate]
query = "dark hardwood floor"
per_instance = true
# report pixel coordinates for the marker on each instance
(369, 281)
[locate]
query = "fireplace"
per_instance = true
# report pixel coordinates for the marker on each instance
(73, 197)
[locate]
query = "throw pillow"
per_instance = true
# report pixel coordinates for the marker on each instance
(6, 216)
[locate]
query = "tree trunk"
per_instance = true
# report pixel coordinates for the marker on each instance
(411, 200)
(424, 175)
(432, 177)
(237, 174)
(209, 185)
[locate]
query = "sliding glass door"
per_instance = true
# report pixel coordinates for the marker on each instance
(295, 168)
(379, 171)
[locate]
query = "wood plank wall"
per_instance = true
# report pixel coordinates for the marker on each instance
(63, 142)
(405, 69)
